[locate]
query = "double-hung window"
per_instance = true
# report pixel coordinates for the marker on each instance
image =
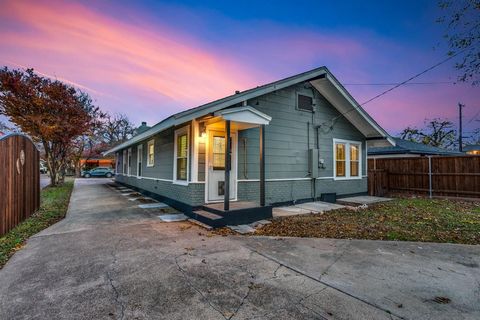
(347, 159)
(151, 153)
(181, 154)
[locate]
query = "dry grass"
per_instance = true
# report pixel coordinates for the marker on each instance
(412, 219)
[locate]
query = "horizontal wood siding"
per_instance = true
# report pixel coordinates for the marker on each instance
(451, 176)
(287, 134)
(19, 182)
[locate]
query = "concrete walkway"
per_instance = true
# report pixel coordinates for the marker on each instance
(44, 180)
(110, 259)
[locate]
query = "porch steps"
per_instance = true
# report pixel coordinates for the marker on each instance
(209, 218)
(200, 224)
(241, 212)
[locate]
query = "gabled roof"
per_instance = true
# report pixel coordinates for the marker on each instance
(368, 126)
(410, 147)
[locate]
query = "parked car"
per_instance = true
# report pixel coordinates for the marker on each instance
(43, 169)
(99, 172)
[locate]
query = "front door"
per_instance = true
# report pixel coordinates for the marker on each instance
(216, 166)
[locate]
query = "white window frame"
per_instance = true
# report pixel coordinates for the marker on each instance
(129, 161)
(347, 144)
(150, 143)
(181, 131)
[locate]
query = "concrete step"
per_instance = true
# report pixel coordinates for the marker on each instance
(200, 224)
(208, 215)
(208, 218)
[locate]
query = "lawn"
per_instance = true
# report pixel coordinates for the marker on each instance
(53, 207)
(405, 219)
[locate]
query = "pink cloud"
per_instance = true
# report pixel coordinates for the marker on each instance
(131, 63)
(74, 42)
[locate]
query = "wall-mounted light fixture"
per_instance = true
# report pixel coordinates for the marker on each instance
(202, 129)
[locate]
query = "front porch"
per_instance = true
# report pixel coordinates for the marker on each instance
(219, 134)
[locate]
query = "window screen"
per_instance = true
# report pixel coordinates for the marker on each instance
(304, 103)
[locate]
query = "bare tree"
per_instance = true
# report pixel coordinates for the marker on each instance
(437, 133)
(116, 129)
(462, 20)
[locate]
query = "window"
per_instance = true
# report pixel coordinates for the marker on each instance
(304, 103)
(218, 153)
(151, 153)
(347, 159)
(354, 160)
(181, 154)
(340, 159)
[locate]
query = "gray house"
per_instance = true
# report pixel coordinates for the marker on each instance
(292, 140)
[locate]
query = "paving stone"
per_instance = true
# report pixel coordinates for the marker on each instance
(173, 217)
(155, 205)
(242, 228)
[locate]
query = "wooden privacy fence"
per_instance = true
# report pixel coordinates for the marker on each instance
(457, 176)
(19, 180)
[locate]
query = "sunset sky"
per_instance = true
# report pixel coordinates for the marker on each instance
(149, 59)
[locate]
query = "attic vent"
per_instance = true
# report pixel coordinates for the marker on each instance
(304, 103)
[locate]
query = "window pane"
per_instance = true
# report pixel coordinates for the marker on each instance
(218, 149)
(340, 168)
(181, 168)
(354, 168)
(340, 151)
(151, 151)
(182, 146)
(354, 150)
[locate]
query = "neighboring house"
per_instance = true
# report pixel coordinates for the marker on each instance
(291, 140)
(472, 149)
(405, 148)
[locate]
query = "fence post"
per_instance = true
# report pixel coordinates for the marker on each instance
(430, 175)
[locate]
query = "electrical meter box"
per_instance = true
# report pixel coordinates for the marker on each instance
(313, 162)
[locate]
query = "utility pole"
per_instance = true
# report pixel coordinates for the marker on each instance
(460, 133)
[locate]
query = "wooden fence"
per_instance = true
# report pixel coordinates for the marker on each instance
(457, 176)
(19, 180)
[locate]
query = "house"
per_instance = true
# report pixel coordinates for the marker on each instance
(292, 140)
(472, 149)
(406, 148)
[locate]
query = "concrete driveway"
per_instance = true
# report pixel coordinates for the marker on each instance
(110, 259)
(44, 180)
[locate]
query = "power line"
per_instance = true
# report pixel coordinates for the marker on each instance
(396, 86)
(474, 117)
(396, 83)
(411, 78)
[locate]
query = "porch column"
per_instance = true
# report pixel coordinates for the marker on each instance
(262, 165)
(228, 160)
